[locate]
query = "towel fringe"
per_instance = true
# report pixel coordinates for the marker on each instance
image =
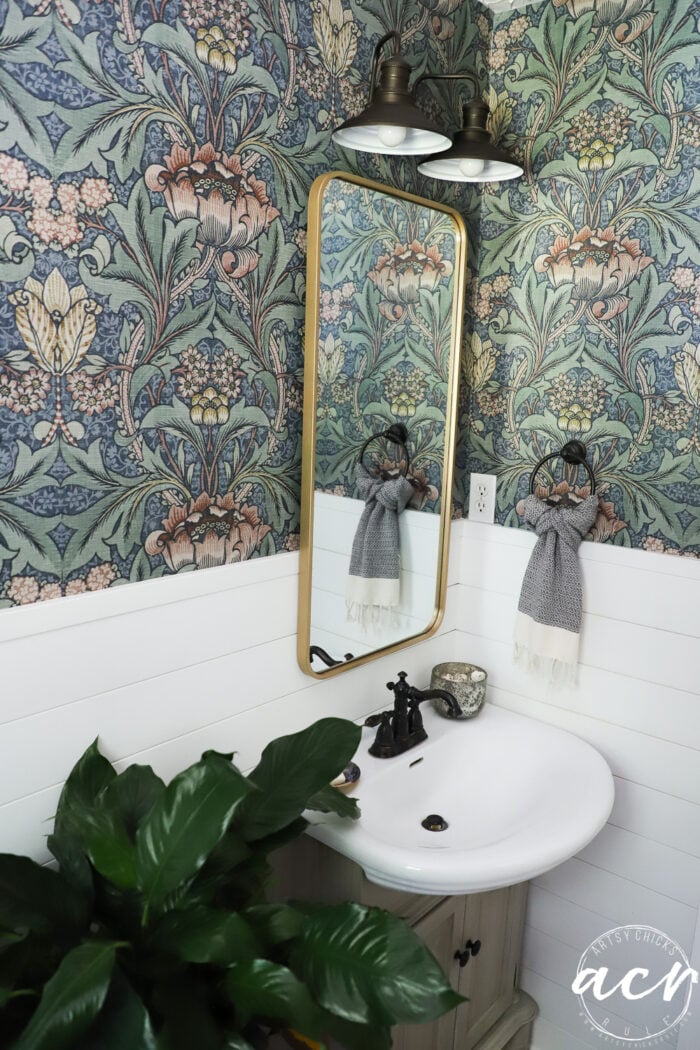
(368, 616)
(557, 672)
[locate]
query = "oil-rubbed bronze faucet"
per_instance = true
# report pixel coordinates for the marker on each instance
(402, 728)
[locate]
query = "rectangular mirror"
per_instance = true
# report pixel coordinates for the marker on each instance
(385, 302)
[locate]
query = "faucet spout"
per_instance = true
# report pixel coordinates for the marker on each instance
(420, 695)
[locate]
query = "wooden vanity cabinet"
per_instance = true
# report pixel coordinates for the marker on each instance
(497, 1016)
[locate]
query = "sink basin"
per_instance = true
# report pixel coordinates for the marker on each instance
(519, 797)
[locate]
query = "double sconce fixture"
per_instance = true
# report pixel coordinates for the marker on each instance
(393, 123)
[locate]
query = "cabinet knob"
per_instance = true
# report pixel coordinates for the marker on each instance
(470, 948)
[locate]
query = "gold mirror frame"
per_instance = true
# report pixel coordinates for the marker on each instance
(308, 471)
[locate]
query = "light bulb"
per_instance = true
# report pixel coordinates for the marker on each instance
(391, 135)
(472, 166)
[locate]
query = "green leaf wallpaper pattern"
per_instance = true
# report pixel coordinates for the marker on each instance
(586, 304)
(155, 163)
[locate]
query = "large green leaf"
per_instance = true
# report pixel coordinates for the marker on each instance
(132, 795)
(185, 824)
(275, 923)
(263, 989)
(114, 127)
(69, 850)
(292, 770)
(185, 1005)
(330, 800)
(115, 521)
(357, 1036)
(206, 935)
(94, 814)
(25, 537)
(91, 773)
(16, 255)
(110, 847)
(367, 966)
(123, 1022)
(71, 999)
(39, 899)
(20, 111)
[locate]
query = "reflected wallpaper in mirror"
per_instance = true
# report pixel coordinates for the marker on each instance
(385, 295)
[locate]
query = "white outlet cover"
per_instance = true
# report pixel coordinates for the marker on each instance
(482, 497)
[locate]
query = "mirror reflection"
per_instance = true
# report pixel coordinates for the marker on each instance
(385, 299)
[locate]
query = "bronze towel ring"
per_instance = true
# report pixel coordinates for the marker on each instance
(573, 452)
(397, 434)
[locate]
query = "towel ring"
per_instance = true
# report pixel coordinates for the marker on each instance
(397, 434)
(573, 452)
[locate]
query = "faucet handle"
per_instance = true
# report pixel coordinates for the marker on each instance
(402, 681)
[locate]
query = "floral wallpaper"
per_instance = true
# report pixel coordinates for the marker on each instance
(586, 306)
(155, 162)
(387, 287)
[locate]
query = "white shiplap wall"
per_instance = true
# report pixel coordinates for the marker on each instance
(164, 669)
(638, 701)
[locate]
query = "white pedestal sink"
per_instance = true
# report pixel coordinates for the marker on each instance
(519, 797)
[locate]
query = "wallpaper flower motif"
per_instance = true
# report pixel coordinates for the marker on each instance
(386, 298)
(155, 162)
(594, 327)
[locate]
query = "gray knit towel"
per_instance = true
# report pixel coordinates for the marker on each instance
(374, 587)
(551, 604)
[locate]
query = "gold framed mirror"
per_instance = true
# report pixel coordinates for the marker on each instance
(384, 308)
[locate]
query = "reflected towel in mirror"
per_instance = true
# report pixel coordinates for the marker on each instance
(373, 589)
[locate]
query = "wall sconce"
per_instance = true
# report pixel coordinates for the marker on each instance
(391, 121)
(473, 156)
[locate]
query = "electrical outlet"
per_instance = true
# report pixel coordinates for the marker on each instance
(482, 497)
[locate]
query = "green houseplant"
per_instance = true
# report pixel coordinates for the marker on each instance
(155, 934)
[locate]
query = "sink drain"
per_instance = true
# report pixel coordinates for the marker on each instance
(434, 822)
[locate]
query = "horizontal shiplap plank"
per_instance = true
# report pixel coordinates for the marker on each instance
(97, 657)
(647, 707)
(476, 533)
(616, 591)
(560, 1007)
(646, 863)
(613, 645)
(547, 1036)
(667, 767)
(126, 598)
(662, 818)
(592, 888)
(568, 922)
(577, 926)
(558, 963)
(141, 715)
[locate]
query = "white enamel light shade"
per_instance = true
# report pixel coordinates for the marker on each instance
(392, 122)
(473, 157)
